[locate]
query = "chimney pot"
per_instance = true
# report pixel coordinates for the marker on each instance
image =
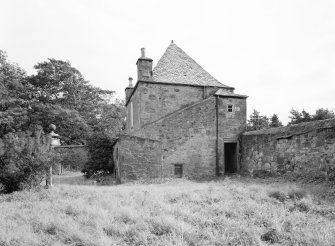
(130, 82)
(143, 52)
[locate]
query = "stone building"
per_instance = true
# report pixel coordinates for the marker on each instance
(180, 121)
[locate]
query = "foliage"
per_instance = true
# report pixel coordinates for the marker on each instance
(298, 117)
(74, 159)
(57, 94)
(99, 155)
(57, 82)
(257, 121)
(71, 127)
(323, 114)
(15, 96)
(111, 119)
(320, 114)
(25, 159)
(20, 171)
(274, 121)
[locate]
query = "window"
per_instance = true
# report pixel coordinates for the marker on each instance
(230, 108)
(131, 115)
(178, 170)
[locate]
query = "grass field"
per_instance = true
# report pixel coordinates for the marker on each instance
(175, 212)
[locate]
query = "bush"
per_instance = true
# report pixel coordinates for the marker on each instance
(100, 155)
(74, 159)
(20, 171)
(24, 160)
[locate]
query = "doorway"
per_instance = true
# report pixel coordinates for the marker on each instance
(230, 157)
(178, 170)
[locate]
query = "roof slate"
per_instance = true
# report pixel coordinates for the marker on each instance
(176, 67)
(221, 92)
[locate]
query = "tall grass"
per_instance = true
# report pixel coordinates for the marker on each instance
(178, 212)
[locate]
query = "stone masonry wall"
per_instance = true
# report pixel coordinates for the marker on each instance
(306, 149)
(188, 137)
(137, 158)
(231, 124)
(152, 101)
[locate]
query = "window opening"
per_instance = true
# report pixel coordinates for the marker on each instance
(230, 108)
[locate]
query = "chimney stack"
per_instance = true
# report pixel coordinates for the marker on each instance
(129, 89)
(142, 52)
(144, 67)
(130, 82)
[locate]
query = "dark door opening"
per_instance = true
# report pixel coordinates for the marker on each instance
(178, 170)
(230, 157)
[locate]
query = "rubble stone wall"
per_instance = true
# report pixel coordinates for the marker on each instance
(137, 158)
(188, 138)
(305, 149)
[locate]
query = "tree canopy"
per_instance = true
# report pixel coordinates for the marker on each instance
(257, 121)
(303, 116)
(59, 94)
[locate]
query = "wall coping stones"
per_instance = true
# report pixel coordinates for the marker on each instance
(298, 129)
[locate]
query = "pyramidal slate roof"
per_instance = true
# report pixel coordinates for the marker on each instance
(176, 67)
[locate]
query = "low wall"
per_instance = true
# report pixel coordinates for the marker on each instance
(306, 149)
(74, 157)
(137, 158)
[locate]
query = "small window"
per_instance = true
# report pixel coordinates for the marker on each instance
(230, 108)
(178, 170)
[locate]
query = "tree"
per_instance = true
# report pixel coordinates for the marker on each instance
(71, 127)
(322, 114)
(15, 96)
(111, 120)
(306, 116)
(100, 152)
(257, 121)
(57, 82)
(274, 121)
(297, 117)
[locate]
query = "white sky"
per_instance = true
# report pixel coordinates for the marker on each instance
(280, 53)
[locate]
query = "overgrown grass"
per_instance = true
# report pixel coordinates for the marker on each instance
(177, 212)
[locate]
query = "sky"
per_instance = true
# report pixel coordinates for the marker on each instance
(281, 53)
